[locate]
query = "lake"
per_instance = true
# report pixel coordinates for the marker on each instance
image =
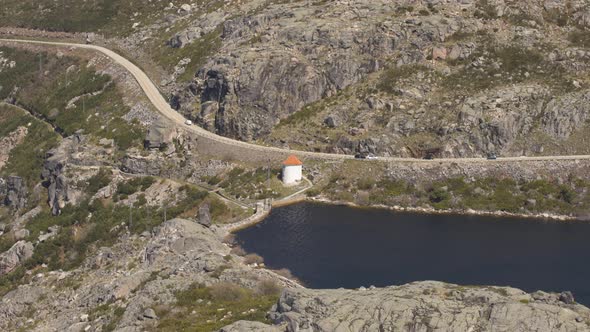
(327, 246)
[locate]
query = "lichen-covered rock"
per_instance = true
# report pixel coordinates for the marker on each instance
(325, 59)
(246, 326)
(159, 135)
(204, 215)
(15, 256)
(426, 306)
(14, 192)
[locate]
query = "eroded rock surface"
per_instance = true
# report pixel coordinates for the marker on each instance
(13, 257)
(425, 306)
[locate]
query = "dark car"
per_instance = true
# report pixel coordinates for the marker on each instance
(429, 156)
(492, 156)
(360, 156)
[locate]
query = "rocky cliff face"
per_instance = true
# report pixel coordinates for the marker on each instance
(460, 78)
(424, 306)
(13, 192)
(13, 257)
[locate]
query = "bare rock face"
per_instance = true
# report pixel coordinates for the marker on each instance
(425, 306)
(204, 215)
(159, 135)
(13, 192)
(330, 56)
(16, 255)
(298, 62)
(57, 187)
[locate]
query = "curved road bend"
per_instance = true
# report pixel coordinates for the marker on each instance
(164, 108)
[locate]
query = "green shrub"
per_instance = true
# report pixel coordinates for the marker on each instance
(485, 10)
(214, 180)
(137, 184)
(26, 159)
(217, 300)
(217, 208)
(391, 77)
(98, 181)
(579, 38)
(312, 192)
(227, 292)
(253, 259)
(366, 183)
(268, 288)
(439, 195)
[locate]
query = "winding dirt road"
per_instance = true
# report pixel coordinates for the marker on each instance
(164, 108)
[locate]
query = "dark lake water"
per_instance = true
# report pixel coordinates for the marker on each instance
(334, 246)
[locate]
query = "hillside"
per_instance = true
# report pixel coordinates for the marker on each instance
(394, 78)
(113, 218)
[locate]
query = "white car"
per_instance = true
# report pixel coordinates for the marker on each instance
(188, 122)
(372, 157)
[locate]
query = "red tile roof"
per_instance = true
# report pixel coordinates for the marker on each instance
(292, 161)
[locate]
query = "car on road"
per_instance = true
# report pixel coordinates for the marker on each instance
(366, 156)
(429, 156)
(188, 122)
(492, 156)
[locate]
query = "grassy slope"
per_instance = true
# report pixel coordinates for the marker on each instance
(191, 315)
(110, 17)
(100, 223)
(62, 80)
(107, 16)
(26, 159)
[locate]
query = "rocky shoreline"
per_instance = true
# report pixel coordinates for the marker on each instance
(433, 211)
(259, 217)
(421, 306)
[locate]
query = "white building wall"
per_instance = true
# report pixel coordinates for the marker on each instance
(292, 174)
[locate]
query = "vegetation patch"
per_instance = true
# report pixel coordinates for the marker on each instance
(485, 194)
(90, 225)
(26, 159)
(250, 184)
(201, 308)
(391, 77)
(71, 96)
(134, 185)
(579, 38)
(198, 52)
(503, 65)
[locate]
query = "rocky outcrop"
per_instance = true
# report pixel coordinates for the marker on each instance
(75, 151)
(56, 181)
(329, 57)
(294, 62)
(425, 306)
(204, 215)
(15, 256)
(159, 135)
(11, 140)
(13, 192)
